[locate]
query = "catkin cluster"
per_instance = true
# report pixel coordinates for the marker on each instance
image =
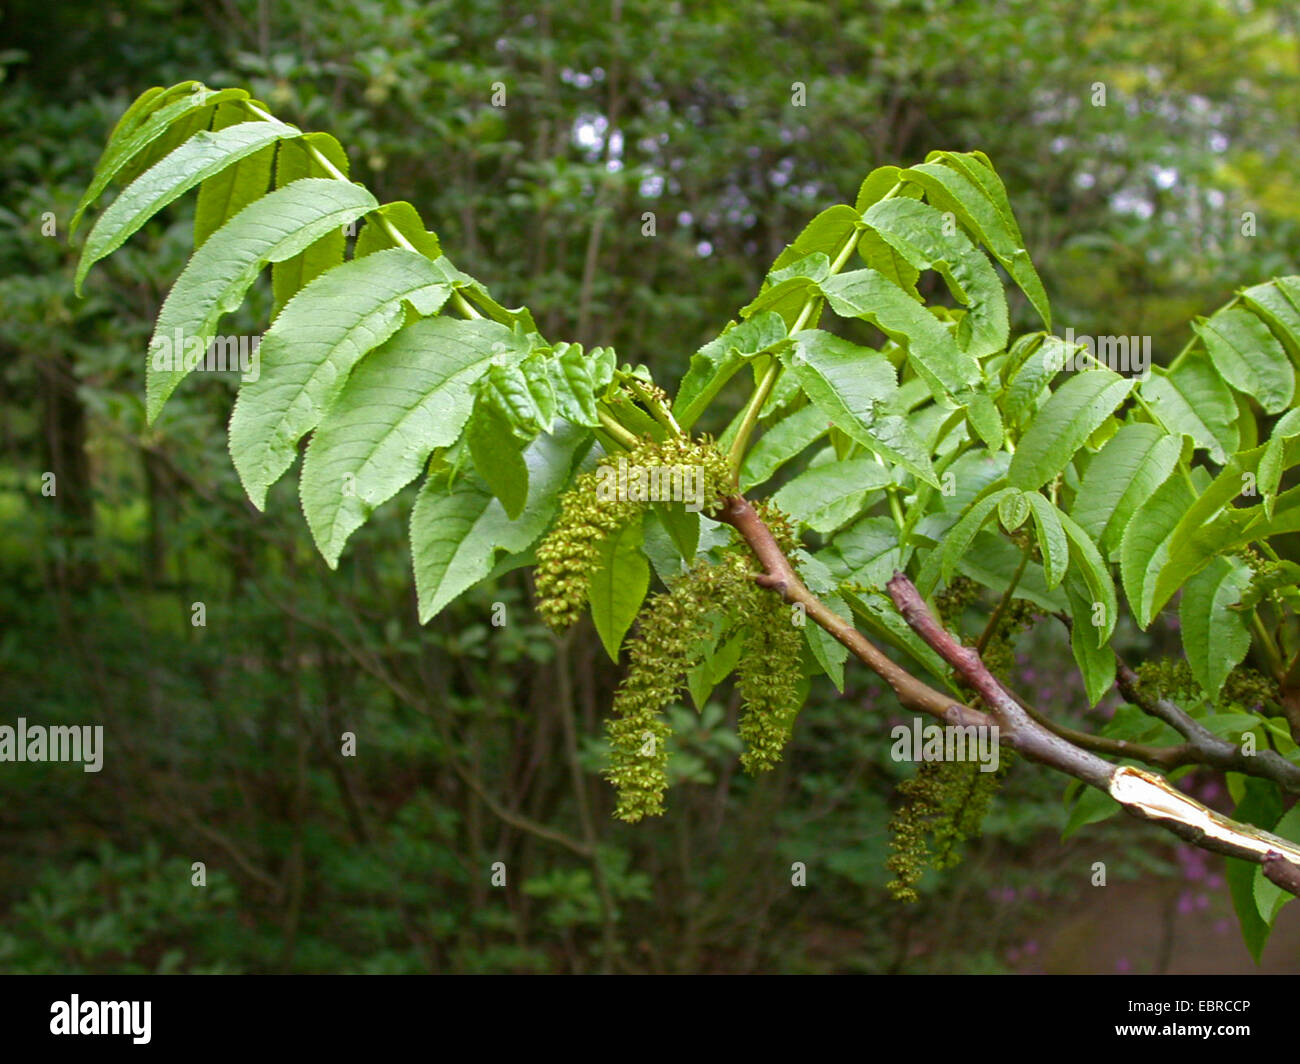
(570, 552)
(671, 637)
(767, 678)
(944, 804)
(1245, 688)
(673, 633)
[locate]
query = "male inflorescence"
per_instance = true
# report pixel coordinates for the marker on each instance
(676, 628)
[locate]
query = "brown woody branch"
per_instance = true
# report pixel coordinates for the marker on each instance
(1142, 794)
(1205, 747)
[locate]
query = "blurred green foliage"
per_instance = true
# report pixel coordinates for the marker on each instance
(477, 744)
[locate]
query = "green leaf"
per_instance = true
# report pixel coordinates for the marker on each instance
(872, 297)
(878, 255)
(1122, 476)
(1062, 425)
(682, 526)
(1193, 400)
(498, 453)
(787, 438)
(1052, 540)
(787, 297)
(199, 158)
(827, 495)
(868, 551)
(1144, 547)
(717, 361)
(877, 185)
(1013, 510)
(1096, 661)
(984, 417)
(577, 378)
(1249, 357)
(962, 534)
(140, 109)
(830, 653)
(1035, 364)
(951, 190)
(403, 217)
(458, 529)
(1278, 303)
(309, 351)
(1211, 527)
(618, 585)
(1269, 897)
(218, 276)
(1215, 636)
(294, 163)
(229, 192)
(826, 234)
(923, 237)
(1089, 565)
(855, 387)
(1092, 807)
(1260, 805)
(405, 399)
(128, 141)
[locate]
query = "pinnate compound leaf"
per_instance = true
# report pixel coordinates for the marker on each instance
(872, 297)
(458, 529)
(1249, 357)
(1122, 476)
(408, 397)
(199, 158)
(856, 388)
(298, 160)
(1063, 424)
(926, 240)
(147, 120)
(218, 276)
(948, 189)
(309, 351)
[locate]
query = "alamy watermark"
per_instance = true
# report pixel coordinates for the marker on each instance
(1123, 354)
(935, 742)
(220, 354)
(59, 742)
(638, 483)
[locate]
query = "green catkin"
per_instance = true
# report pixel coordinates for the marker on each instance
(1169, 678)
(944, 804)
(671, 636)
(569, 553)
(673, 631)
(767, 678)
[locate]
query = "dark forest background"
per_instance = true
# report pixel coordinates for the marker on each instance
(478, 744)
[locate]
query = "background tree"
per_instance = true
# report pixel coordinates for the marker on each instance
(729, 169)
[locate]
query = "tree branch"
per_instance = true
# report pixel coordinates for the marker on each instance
(1142, 794)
